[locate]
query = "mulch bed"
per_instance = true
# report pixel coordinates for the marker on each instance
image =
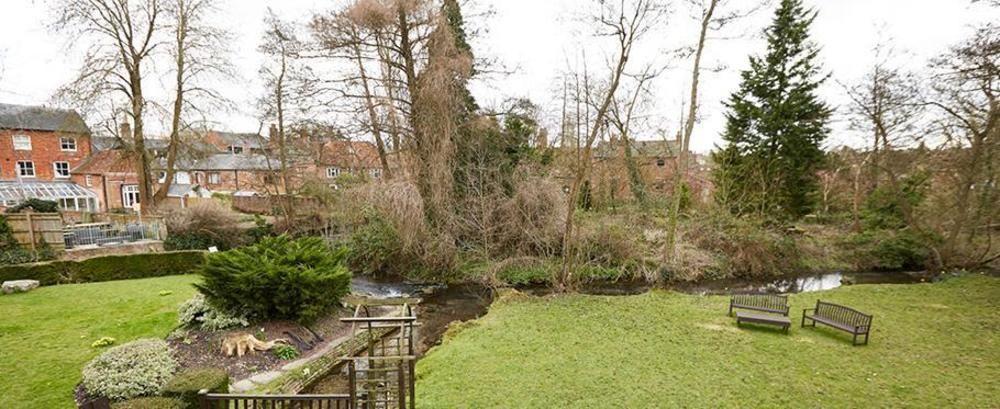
(200, 349)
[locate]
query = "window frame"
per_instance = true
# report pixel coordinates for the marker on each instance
(31, 165)
(88, 180)
(214, 178)
(333, 172)
(130, 195)
(23, 137)
(55, 169)
(63, 144)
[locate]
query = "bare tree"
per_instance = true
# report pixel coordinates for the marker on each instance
(626, 22)
(121, 37)
(282, 79)
(713, 16)
(967, 88)
(199, 55)
(623, 115)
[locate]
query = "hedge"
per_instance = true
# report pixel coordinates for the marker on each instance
(108, 268)
(185, 385)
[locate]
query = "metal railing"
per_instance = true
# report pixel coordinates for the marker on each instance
(109, 234)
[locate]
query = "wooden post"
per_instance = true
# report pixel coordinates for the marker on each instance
(353, 383)
(401, 390)
(31, 234)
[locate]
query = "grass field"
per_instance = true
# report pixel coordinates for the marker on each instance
(45, 335)
(932, 345)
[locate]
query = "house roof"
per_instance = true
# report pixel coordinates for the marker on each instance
(349, 154)
(227, 161)
(248, 140)
(107, 161)
(38, 118)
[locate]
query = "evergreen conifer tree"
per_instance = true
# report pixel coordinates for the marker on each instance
(776, 125)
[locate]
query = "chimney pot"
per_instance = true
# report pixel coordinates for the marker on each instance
(125, 130)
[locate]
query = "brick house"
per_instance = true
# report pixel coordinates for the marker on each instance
(341, 157)
(39, 146)
(656, 162)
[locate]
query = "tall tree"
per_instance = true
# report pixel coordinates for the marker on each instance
(776, 125)
(122, 36)
(199, 55)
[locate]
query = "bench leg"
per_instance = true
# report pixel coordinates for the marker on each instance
(855, 340)
(866, 337)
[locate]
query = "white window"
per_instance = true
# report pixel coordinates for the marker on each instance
(88, 180)
(235, 150)
(182, 178)
(375, 173)
(22, 143)
(161, 177)
(130, 195)
(332, 172)
(26, 168)
(67, 144)
(61, 169)
(213, 178)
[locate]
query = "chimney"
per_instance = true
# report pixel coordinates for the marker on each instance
(273, 132)
(125, 131)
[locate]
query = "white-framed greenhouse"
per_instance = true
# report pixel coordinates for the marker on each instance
(68, 195)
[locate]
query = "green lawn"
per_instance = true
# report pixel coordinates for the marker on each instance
(933, 345)
(45, 335)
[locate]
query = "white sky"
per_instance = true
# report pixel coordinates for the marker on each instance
(536, 38)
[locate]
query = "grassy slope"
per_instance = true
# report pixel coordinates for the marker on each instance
(45, 335)
(933, 345)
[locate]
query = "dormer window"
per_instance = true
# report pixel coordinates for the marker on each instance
(67, 144)
(235, 150)
(22, 143)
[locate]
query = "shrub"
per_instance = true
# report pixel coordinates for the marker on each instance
(103, 342)
(35, 205)
(198, 313)
(394, 237)
(151, 403)
(108, 268)
(134, 369)
(285, 352)
(278, 278)
(185, 385)
(203, 225)
(745, 247)
(891, 249)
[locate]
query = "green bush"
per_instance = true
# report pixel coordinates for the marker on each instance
(138, 368)
(285, 352)
(278, 278)
(376, 248)
(198, 313)
(888, 250)
(108, 268)
(151, 403)
(185, 385)
(36, 205)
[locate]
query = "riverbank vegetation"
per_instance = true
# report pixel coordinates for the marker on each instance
(930, 343)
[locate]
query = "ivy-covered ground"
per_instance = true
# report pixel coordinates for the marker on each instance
(933, 345)
(46, 334)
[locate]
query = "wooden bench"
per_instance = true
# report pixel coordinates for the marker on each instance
(840, 317)
(758, 318)
(772, 303)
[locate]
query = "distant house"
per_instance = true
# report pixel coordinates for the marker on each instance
(237, 143)
(39, 147)
(656, 162)
(343, 157)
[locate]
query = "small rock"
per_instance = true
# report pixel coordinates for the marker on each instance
(19, 286)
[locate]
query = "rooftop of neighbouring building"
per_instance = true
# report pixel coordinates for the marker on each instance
(40, 118)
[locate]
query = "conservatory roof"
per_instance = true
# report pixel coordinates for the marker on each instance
(18, 191)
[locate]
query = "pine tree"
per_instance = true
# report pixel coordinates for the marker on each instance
(776, 125)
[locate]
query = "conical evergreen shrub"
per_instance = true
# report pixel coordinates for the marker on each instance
(277, 278)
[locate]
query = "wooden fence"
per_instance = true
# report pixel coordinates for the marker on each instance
(32, 229)
(268, 205)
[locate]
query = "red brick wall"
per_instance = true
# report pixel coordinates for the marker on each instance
(45, 149)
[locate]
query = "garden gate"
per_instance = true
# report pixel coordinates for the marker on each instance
(384, 377)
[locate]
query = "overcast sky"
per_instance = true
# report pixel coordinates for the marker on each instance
(539, 39)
